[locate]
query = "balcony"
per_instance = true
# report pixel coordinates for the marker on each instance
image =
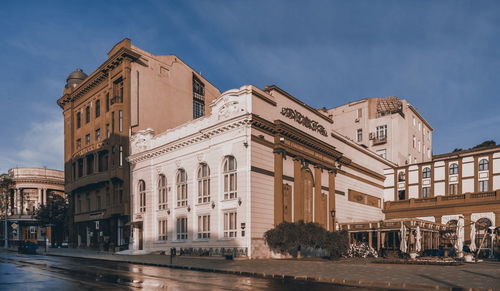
(467, 199)
(379, 140)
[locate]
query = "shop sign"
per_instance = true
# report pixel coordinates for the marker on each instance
(304, 120)
(14, 225)
(97, 224)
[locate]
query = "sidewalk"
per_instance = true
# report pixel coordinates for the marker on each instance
(346, 272)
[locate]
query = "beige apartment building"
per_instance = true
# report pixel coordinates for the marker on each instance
(132, 90)
(390, 127)
(464, 183)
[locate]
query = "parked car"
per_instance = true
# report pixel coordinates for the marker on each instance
(27, 248)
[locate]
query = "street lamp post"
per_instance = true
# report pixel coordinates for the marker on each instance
(332, 213)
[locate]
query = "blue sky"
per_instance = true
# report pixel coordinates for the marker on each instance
(442, 56)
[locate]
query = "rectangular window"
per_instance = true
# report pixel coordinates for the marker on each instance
(87, 114)
(103, 161)
(483, 186)
(79, 205)
(113, 122)
(120, 161)
(98, 200)
(120, 120)
(87, 139)
(182, 233)
(78, 120)
(90, 164)
(419, 146)
(108, 197)
(419, 126)
(80, 168)
(162, 230)
(203, 226)
(381, 132)
(360, 135)
(230, 185)
(78, 143)
(230, 228)
(88, 203)
(453, 189)
(113, 156)
(142, 201)
(426, 192)
(360, 112)
(97, 108)
(198, 98)
(108, 130)
(107, 102)
(117, 91)
(98, 134)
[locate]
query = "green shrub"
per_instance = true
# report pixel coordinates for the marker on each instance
(290, 237)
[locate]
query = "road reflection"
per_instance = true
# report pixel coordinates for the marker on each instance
(17, 272)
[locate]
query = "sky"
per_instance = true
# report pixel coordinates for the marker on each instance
(442, 56)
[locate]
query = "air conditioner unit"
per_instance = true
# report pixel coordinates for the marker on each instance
(372, 135)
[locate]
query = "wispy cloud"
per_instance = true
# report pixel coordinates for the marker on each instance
(42, 145)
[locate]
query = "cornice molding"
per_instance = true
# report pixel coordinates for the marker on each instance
(190, 140)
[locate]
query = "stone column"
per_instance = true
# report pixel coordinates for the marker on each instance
(331, 200)
(16, 205)
(278, 186)
(317, 214)
(45, 194)
(378, 240)
(370, 238)
(298, 199)
(21, 201)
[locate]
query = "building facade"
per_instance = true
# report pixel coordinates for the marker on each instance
(123, 95)
(464, 183)
(216, 184)
(390, 127)
(30, 189)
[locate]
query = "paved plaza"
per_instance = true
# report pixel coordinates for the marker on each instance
(351, 272)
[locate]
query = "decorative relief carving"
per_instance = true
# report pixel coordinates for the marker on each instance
(304, 120)
(229, 108)
(141, 140)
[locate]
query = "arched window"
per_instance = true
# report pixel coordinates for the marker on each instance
(483, 223)
(162, 192)
(401, 176)
(142, 196)
(426, 172)
(203, 183)
(230, 178)
(182, 188)
(483, 165)
(308, 189)
(453, 169)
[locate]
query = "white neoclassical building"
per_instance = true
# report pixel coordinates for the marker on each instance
(214, 185)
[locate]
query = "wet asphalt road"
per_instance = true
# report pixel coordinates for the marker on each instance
(38, 272)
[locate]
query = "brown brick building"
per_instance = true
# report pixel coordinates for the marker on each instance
(132, 90)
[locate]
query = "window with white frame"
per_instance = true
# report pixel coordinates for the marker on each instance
(483, 186)
(203, 226)
(419, 146)
(162, 192)
(382, 131)
(182, 188)
(182, 232)
(142, 196)
(453, 169)
(426, 192)
(360, 112)
(426, 172)
(203, 183)
(230, 178)
(359, 135)
(483, 165)
(414, 142)
(162, 230)
(230, 228)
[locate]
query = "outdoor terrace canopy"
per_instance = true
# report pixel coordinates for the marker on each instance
(385, 234)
